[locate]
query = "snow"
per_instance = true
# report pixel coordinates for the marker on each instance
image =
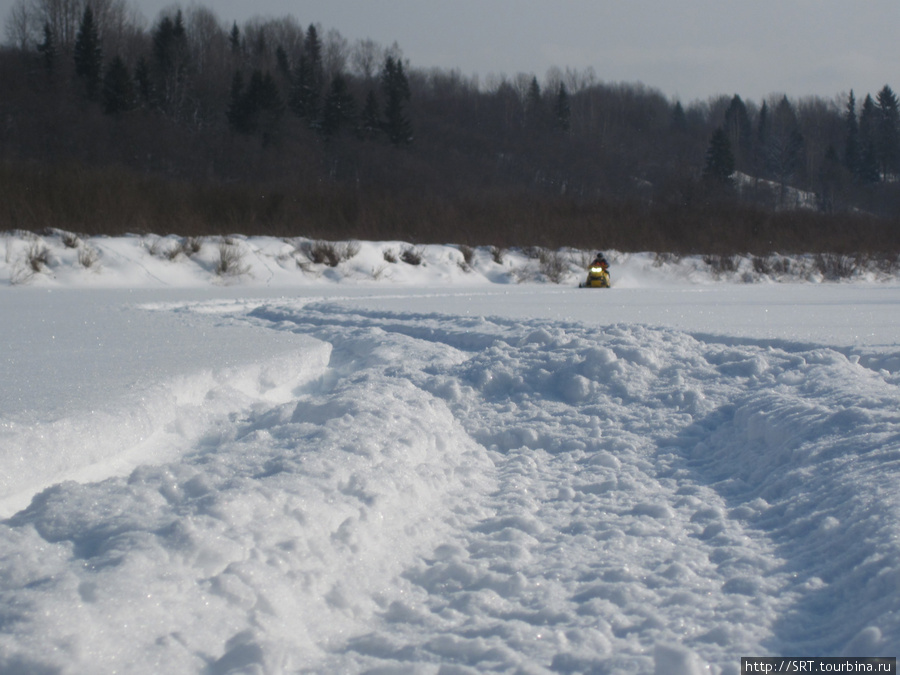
(441, 468)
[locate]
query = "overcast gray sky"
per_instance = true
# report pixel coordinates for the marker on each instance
(688, 49)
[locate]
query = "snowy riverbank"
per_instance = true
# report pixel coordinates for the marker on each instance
(59, 258)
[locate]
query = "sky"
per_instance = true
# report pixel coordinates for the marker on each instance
(689, 50)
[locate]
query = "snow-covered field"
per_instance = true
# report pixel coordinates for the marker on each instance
(393, 468)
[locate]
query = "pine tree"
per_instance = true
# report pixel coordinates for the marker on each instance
(307, 86)
(47, 50)
(170, 57)
(258, 108)
(562, 112)
(762, 138)
(234, 39)
(88, 54)
(118, 88)
(534, 105)
(678, 118)
(739, 129)
(888, 132)
(312, 49)
(306, 89)
(851, 137)
(303, 97)
(143, 82)
(266, 104)
(396, 91)
(164, 45)
(281, 59)
(369, 121)
(339, 108)
(237, 113)
(868, 141)
(719, 166)
(784, 146)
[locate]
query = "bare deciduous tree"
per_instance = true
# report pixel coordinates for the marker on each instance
(366, 58)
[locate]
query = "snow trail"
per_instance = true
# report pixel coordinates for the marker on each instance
(466, 494)
(598, 437)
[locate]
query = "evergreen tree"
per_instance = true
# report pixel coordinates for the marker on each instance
(234, 39)
(851, 138)
(306, 89)
(281, 59)
(304, 96)
(762, 137)
(266, 105)
(312, 49)
(307, 85)
(369, 121)
(260, 48)
(784, 146)
(678, 118)
(739, 130)
(47, 50)
(143, 82)
(562, 112)
(118, 88)
(170, 56)
(258, 108)
(88, 54)
(396, 91)
(169, 44)
(237, 113)
(868, 141)
(888, 132)
(534, 105)
(719, 166)
(339, 108)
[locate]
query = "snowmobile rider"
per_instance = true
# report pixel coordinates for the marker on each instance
(600, 261)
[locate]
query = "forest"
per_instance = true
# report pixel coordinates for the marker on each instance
(194, 125)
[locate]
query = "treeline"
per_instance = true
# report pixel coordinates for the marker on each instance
(193, 126)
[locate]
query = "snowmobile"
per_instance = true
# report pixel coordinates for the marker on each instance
(598, 276)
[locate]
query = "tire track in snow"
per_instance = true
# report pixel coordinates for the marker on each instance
(588, 521)
(618, 524)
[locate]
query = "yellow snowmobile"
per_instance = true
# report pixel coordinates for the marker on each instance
(598, 274)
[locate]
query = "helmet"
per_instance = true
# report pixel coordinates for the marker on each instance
(600, 254)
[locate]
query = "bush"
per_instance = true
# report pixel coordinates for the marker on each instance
(664, 258)
(88, 256)
(191, 246)
(231, 260)
(836, 266)
(329, 253)
(37, 257)
(721, 264)
(70, 240)
(553, 265)
(468, 254)
(411, 256)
